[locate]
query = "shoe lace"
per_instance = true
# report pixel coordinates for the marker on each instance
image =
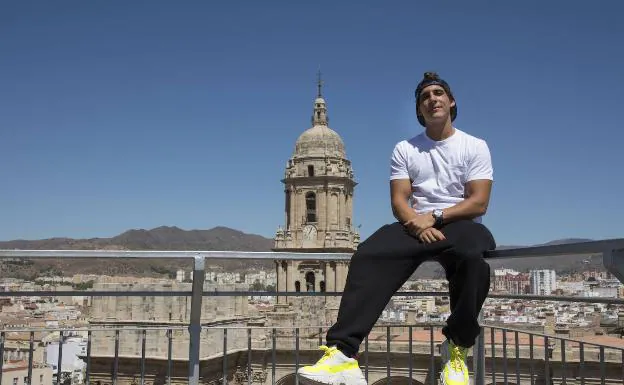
(458, 356)
(329, 351)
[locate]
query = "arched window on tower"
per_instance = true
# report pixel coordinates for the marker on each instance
(310, 170)
(310, 207)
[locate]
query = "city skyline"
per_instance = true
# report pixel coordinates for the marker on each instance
(144, 115)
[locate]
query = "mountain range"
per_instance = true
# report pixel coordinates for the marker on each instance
(217, 238)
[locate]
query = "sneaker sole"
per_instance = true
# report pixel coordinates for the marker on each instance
(308, 381)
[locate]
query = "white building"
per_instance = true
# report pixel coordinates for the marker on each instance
(503, 272)
(543, 282)
(71, 366)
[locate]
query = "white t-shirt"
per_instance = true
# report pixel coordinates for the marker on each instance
(439, 170)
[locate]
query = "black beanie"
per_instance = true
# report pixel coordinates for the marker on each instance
(431, 78)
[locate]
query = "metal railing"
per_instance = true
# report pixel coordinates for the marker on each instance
(544, 359)
(612, 252)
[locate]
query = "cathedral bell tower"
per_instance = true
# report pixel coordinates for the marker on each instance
(318, 205)
(319, 186)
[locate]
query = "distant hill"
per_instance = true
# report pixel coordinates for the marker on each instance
(160, 238)
(217, 238)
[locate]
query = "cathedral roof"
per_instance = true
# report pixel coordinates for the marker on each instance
(320, 141)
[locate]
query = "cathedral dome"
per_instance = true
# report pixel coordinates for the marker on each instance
(320, 141)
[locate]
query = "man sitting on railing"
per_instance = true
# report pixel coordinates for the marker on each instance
(446, 175)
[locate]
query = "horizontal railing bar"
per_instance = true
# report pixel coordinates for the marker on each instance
(96, 329)
(95, 293)
(210, 254)
(535, 334)
(185, 327)
(304, 327)
(177, 293)
(571, 249)
(245, 293)
(577, 248)
(559, 298)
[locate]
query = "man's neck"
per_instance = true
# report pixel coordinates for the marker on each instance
(441, 131)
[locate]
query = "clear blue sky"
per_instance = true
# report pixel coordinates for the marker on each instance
(136, 114)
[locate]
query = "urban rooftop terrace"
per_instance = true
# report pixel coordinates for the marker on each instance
(407, 354)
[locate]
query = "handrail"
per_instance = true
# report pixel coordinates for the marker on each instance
(248, 293)
(571, 249)
(209, 254)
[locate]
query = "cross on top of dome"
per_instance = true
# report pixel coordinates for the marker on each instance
(319, 84)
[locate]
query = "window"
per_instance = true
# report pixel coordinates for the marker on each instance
(310, 170)
(310, 207)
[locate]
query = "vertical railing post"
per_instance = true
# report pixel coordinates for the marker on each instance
(478, 354)
(195, 321)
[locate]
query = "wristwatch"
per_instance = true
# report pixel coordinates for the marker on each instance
(438, 215)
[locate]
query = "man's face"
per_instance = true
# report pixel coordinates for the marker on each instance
(435, 104)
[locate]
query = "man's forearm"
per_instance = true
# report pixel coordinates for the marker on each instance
(403, 212)
(466, 209)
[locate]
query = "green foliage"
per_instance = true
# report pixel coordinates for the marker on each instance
(257, 286)
(51, 271)
(84, 285)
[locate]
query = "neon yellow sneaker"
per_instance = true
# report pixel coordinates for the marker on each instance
(455, 371)
(333, 368)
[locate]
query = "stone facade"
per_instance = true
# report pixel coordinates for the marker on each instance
(165, 309)
(129, 314)
(311, 275)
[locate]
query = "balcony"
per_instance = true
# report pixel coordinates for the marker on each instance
(247, 349)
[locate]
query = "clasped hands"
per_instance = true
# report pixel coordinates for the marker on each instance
(421, 227)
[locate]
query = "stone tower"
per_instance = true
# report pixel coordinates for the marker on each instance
(319, 185)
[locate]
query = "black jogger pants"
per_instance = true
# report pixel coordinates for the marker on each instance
(386, 260)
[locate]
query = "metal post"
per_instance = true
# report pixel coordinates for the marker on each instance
(88, 370)
(478, 355)
(195, 321)
(60, 359)
(30, 358)
(1, 354)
